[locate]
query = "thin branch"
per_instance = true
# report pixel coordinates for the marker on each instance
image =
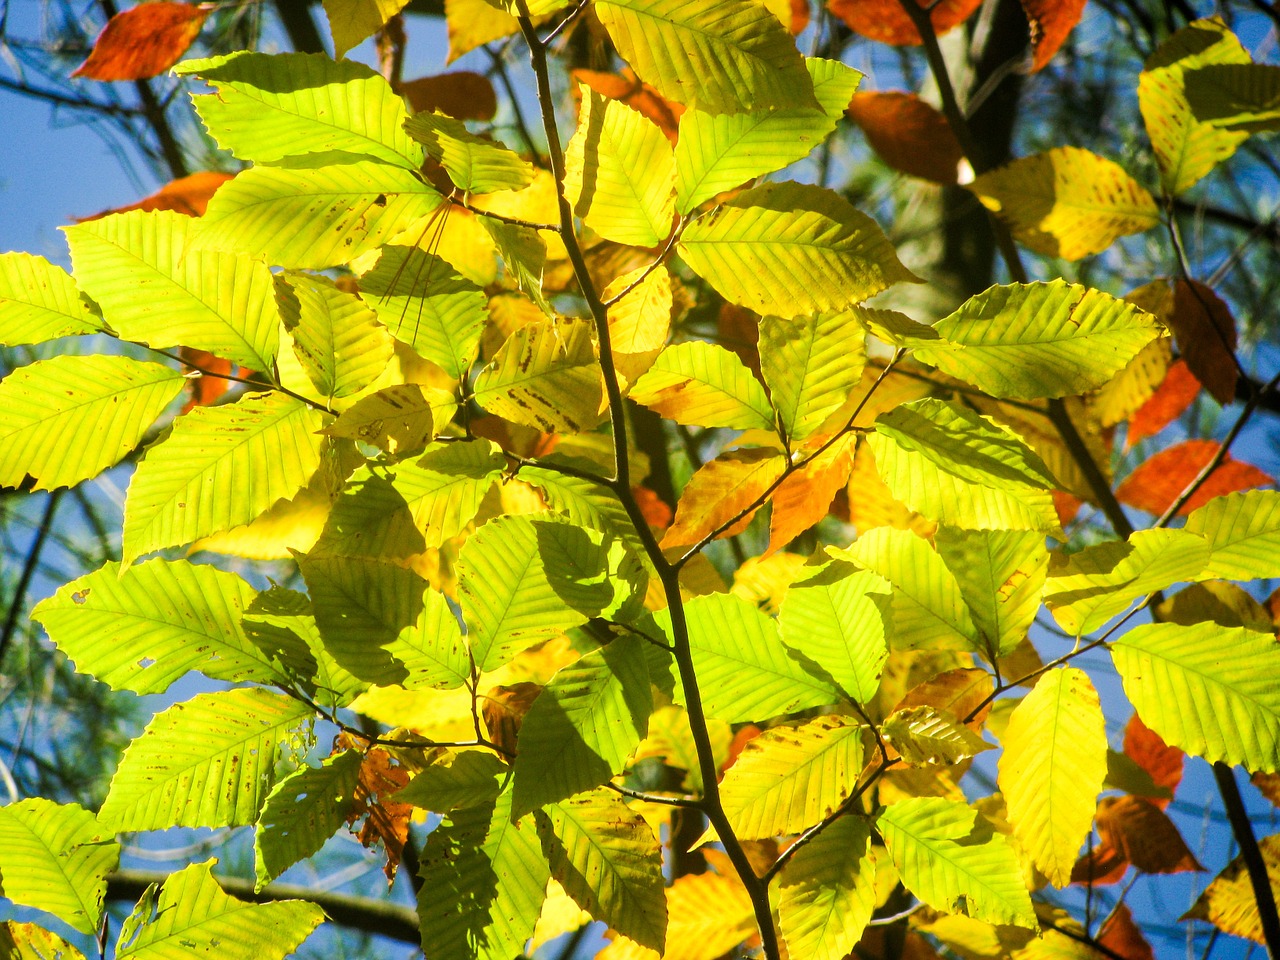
(18, 601)
(689, 802)
(502, 217)
(64, 100)
(662, 257)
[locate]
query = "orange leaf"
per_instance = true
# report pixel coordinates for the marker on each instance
(144, 41)
(187, 195)
(1175, 393)
(960, 692)
(1122, 936)
(908, 134)
(462, 94)
(656, 513)
(719, 491)
(1051, 21)
(1144, 834)
(639, 96)
(385, 820)
(799, 17)
(205, 390)
(1067, 505)
(1152, 754)
(740, 740)
(1101, 866)
(885, 20)
(804, 498)
(1206, 335)
(1155, 484)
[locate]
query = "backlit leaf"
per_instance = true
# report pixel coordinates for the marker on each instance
(1038, 340)
(1067, 202)
(1235, 96)
(1160, 479)
(153, 288)
(811, 365)
(640, 321)
(620, 172)
(1176, 392)
(1144, 835)
(908, 134)
(626, 87)
(804, 497)
(208, 762)
(1207, 689)
(397, 419)
(200, 480)
(1243, 531)
(336, 337)
(887, 22)
(962, 469)
(1161, 762)
(1206, 334)
(1052, 768)
(1051, 23)
(30, 941)
(723, 488)
(471, 778)
(433, 650)
(954, 864)
(475, 165)
(39, 302)
(270, 106)
(192, 915)
(1001, 574)
(351, 21)
(826, 892)
(711, 55)
(524, 253)
(1229, 902)
(56, 858)
(925, 736)
(790, 249)
(144, 41)
(68, 418)
(473, 23)
(702, 384)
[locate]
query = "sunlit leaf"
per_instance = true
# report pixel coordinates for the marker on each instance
(303, 811)
(1159, 480)
(144, 41)
(805, 496)
(30, 941)
(1001, 574)
(1162, 763)
(39, 302)
(1229, 902)
(703, 384)
(336, 337)
(733, 484)
(68, 418)
(1177, 391)
(1243, 532)
(1051, 23)
(886, 21)
(472, 778)
(640, 321)
(397, 419)
(811, 365)
(433, 650)
(351, 21)
(925, 736)
(475, 165)
(826, 892)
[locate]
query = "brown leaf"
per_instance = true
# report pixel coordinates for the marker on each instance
(384, 820)
(1269, 784)
(1175, 393)
(1144, 835)
(1122, 936)
(639, 96)
(1152, 754)
(1050, 21)
(1100, 867)
(885, 20)
(805, 496)
(719, 491)
(960, 692)
(188, 195)
(1160, 480)
(1206, 334)
(144, 42)
(462, 94)
(908, 134)
(504, 710)
(739, 331)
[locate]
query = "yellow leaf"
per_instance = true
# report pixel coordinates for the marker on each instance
(640, 321)
(1228, 902)
(473, 23)
(1067, 202)
(1055, 759)
(351, 21)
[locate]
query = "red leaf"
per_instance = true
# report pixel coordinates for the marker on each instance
(886, 21)
(1051, 21)
(1152, 754)
(463, 95)
(908, 134)
(1101, 866)
(188, 195)
(637, 95)
(1206, 335)
(1144, 834)
(1122, 936)
(205, 390)
(1175, 393)
(144, 41)
(804, 498)
(1155, 484)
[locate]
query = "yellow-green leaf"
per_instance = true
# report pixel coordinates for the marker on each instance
(475, 165)
(1243, 533)
(351, 21)
(825, 894)
(1052, 769)
(811, 364)
(926, 736)
(336, 337)
(702, 384)
(1067, 202)
(397, 419)
(304, 810)
(39, 302)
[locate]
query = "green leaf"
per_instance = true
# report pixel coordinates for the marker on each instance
(336, 337)
(717, 152)
(792, 776)
(154, 286)
(791, 249)
(433, 650)
(926, 736)
(583, 725)
(362, 605)
(583, 502)
(1207, 689)
(546, 376)
(145, 627)
(303, 811)
(718, 56)
(745, 672)
(208, 762)
(620, 172)
(352, 21)
(702, 384)
(427, 304)
(1036, 340)
(314, 217)
(609, 861)
(39, 302)
(1235, 96)
(193, 916)
(29, 941)
(811, 364)
(954, 864)
(270, 106)
(826, 892)
(1001, 574)
(524, 254)
(1052, 769)
(56, 858)
(928, 606)
(839, 617)
(1089, 587)
(1243, 532)
(474, 164)
(1186, 148)
(68, 418)
(398, 419)
(959, 468)
(198, 481)
(472, 778)
(485, 881)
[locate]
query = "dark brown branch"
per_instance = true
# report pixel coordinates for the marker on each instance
(18, 601)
